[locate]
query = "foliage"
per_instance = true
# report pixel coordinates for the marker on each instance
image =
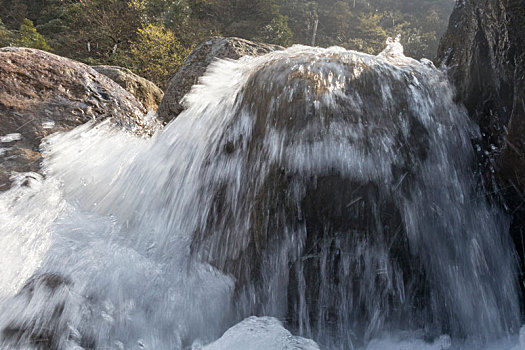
(6, 36)
(29, 37)
(131, 32)
(156, 53)
(276, 32)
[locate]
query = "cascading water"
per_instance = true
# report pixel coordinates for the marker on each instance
(325, 188)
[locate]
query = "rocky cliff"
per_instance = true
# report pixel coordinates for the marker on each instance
(484, 49)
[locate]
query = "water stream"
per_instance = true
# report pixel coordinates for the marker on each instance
(326, 197)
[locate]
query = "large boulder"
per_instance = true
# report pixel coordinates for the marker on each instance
(41, 93)
(144, 90)
(195, 65)
(334, 166)
(484, 48)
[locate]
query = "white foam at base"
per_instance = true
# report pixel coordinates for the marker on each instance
(260, 333)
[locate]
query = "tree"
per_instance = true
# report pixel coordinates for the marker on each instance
(29, 37)
(13, 12)
(108, 27)
(301, 15)
(249, 19)
(276, 32)
(156, 54)
(105, 31)
(5, 35)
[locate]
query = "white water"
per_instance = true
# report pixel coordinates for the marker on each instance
(128, 247)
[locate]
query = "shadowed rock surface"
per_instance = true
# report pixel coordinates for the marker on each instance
(144, 90)
(195, 65)
(484, 49)
(41, 93)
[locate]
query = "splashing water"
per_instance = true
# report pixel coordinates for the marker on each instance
(324, 188)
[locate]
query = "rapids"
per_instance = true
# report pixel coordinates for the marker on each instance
(326, 197)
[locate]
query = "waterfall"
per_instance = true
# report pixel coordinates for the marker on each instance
(325, 191)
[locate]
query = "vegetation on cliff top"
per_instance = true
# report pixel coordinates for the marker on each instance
(152, 37)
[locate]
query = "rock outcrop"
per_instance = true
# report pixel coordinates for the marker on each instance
(344, 152)
(195, 65)
(484, 49)
(144, 90)
(41, 93)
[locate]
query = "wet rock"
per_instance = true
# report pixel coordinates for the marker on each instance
(41, 93)
(195, 65)
(144, 90)
(484, 49)
(39, 322)
(50, 281)
(260, 333)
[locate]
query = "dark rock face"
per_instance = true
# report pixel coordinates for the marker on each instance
(144, 90)
(195, 65)
(41, 93)
(484, 49)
